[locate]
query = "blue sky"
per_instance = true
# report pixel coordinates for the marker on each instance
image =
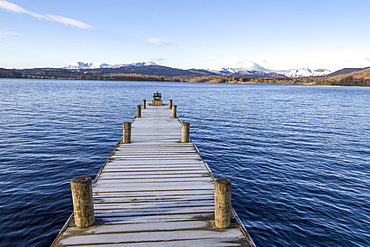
(289, 34)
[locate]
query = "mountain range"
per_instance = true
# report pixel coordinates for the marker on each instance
(146, 68)
(153, 71)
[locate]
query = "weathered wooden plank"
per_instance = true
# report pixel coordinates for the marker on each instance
(133, 173)
(154, 236)
(144, 226)
(156, 179)
(166, 168)
(158, 194)
(153, 185)
(146, 189)
(143, 199)
(148, 182)
(103, 204)
(155, 211)
(154, 218)
(172, 158)
(124, 160)
(226, 242)
(122, 175)
(117, 183)
(155, 166)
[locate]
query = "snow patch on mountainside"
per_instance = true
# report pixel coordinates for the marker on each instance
(225, 71)
(306, 72)
(246, 67)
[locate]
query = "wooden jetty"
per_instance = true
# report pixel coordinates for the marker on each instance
(154, 191)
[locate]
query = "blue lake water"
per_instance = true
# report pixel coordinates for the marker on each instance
(298, 156)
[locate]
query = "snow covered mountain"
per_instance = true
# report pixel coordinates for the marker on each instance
(305, 72)
(83, 65)
(246, 67)
(254, 70)
(225, 71)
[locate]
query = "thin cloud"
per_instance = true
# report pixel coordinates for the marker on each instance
(56, 18)
(8, 33)
(157, 59)
(63, 20)
(160, 42)
(12, 7)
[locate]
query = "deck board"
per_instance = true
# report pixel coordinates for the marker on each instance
(155, 191)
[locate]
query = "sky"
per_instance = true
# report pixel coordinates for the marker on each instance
(202, 34)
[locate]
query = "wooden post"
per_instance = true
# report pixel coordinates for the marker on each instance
(170, 104)
(185, 132)
(83, 207)
(126, 132)
(174, 114)
(143, 104)
(138, 111)
(222, 203)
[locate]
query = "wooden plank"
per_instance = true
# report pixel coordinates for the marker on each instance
(157, 236)
(138, 171)
(226, 242)
(157, 179)
(103, 204)
(122, 175)
(143, 226)
(196, 194)
(153, 218)
(158, 194)
(165, 168)
(137, 199)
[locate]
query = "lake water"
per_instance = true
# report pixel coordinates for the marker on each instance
(298, 156)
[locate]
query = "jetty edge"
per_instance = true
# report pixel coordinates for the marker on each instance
(154, 190)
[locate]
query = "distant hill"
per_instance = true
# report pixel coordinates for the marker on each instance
(156, 70)
(143, 68)
(344, 71)
(148, 70)
(343, 78)
(9, 73)
(356, 74)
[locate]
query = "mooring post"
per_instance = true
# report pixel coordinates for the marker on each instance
(185, 132)
(138, 111)
(222, 203)
(83, 207)
(126, 132)
(174, 114)
(170, 104)
(143, 104)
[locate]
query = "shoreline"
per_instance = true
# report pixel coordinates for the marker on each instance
(346, 81)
